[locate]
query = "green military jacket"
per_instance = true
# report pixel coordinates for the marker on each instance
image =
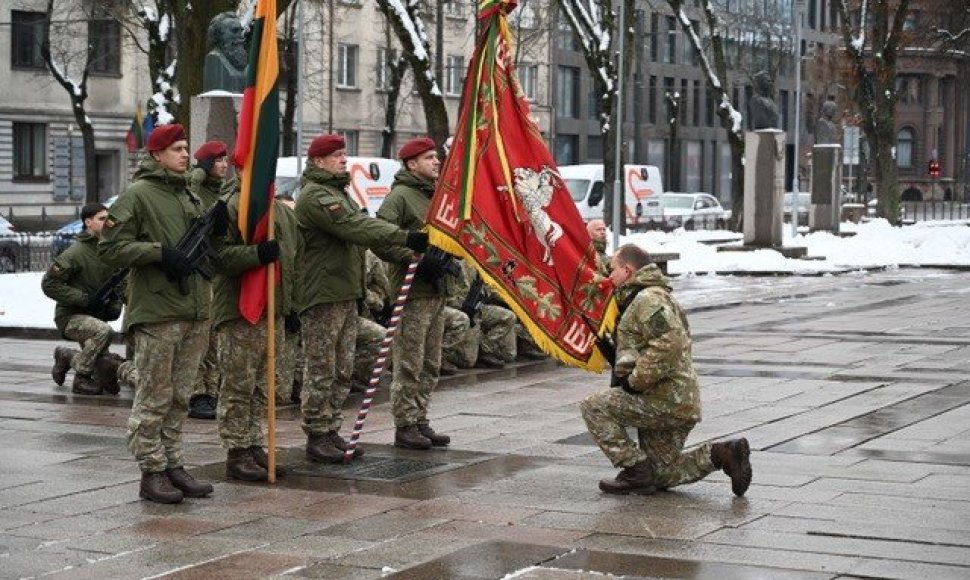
(207, 188)
(654, 345)
(335, 233)
(74, 277)
(602, 258)
(235, 257)
(406, 206)
(155, 211)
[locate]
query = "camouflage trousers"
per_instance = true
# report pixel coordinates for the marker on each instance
(94, 336)
(498, 332)
(661, 436)
(329, 335)
(242, 362)
(460, 341)
(370, 336)
(417, 359)
(289, 362)
(167, 358)
(208, 379)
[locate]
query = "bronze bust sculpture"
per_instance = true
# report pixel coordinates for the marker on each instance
(826, 131)
(225, 63)
(762, 110)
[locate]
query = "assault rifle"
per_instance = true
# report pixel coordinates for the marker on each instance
(108, 293)
(196, 246)
(473, 300)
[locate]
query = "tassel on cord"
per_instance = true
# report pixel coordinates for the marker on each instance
(381, 365)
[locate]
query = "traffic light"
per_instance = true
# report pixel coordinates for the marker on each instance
(934, 168)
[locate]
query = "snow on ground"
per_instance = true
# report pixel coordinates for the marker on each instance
(875, 245)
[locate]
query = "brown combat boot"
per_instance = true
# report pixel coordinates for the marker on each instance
(156, 487)
(262, 460)
(188, 484)
(62, 363)
(321, 448)
(410, 438)
(636, 479)
(734, 458)
(437, 439)
(341, 444)
(240, 464)
(84, 385)
(106, 372)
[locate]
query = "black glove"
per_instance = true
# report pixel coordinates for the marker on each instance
(292, 323)
(94, 306)
(111, 312)
(417, 241)
(430, 269)
(268, 251)
(220, 221)
(175, 262)
(608, 348)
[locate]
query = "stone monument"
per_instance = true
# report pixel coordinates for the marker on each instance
(762, 110)
(825, 213)
(764, 185)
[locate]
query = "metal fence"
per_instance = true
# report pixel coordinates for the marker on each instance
(30, 252)
(921, 211)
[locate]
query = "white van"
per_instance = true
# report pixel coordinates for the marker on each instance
(370, 178)
(642, 188)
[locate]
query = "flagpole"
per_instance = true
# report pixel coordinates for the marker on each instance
(271, 356)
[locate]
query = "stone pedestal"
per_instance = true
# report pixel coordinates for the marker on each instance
(825, 213)
(764, 186)
(215, 115)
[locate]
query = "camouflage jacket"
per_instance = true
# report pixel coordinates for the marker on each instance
(74, 277)
(654, 345)
(155, 211)
(335, 233)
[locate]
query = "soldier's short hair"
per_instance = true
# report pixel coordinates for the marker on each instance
(90, 210)
(632, 255)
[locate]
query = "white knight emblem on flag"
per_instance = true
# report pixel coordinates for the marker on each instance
(535, 190)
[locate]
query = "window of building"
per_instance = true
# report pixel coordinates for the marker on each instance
(594, 148)
(351, 138)
(905, 141)
(908, 89)
(593, 104)
(567, 92)
(524, 17)
(529, 79)
(710, 108)
(566, 146)
(565, 38)
(30, 151)
(652, 101)
(104, 37)
(454, 9)
(654, 36)
(783, 97)
(27, 33)
(684, 117)
(385, 57)
(347, 66)
(454, 74)
(695, 104)
(670, 55)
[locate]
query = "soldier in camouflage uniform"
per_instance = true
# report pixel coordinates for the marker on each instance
(208, 182)
(491, 327)
(657, 391)
(242, 346)
(289, 355)
(335, 233)
(170, 329)
(417, 352)
(597, 232)
(460, 342)
(72, 281)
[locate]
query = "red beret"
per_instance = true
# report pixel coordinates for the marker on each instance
(325, 145)
(211, 150)
(164, 135)
(415, 147)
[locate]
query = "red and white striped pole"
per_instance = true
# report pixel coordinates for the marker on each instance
(380, 365)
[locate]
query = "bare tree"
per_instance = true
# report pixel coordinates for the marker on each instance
(409, 28)
(594, 23)
(289, 55)
(872, 31)
(390, 78)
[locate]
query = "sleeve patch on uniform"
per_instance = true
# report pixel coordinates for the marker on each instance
(658, 323)
(336, 210)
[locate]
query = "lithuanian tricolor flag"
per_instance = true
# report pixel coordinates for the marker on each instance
(257, 145)
(134, 139)
(501, 204)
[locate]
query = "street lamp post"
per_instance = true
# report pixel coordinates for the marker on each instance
(797, 7)
(618, 196)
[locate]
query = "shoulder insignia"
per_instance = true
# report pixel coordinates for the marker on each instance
(658, 323)
(336, 209)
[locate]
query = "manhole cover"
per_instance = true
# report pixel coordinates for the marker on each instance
(374, 467)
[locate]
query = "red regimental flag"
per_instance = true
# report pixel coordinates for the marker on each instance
(501, 203)
(257, 146)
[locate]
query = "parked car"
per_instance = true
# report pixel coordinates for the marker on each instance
(11, 247)
(692, 211)
(65, 235)
(804, 201)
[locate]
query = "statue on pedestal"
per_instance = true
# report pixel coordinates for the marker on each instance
(225, 64)
(762, 110)
(826, 130)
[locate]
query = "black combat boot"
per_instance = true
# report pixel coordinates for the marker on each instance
(437, 439)
(188, 484)
(410, 438)
(636, 479)
(156, 487)
(489, 362)
(734, 458)
(240, 464)
(62, 363)
(84, 385)
(106, 372)
(341, 444)
(202, 406)
(321, 448)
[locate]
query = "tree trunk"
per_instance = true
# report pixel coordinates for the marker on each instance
(737, 180)
(91, 193)
(290, 65)
(389, 132)
(193, 22)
